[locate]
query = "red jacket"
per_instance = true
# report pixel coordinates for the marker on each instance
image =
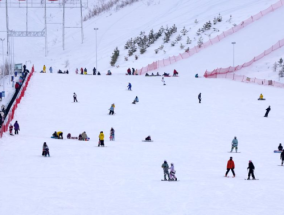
(231, 164)
(17, 85)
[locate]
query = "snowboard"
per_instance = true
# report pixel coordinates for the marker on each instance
(147, 141)
(169, 180)
(277, 151)
(234, 152)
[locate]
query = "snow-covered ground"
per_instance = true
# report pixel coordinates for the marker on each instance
(125, 177)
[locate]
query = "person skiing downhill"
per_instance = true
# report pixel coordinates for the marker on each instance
(199, 97)
(251, 170)
(267, 111)
(75, 97)
(111, 110)
(129, 86)
(282, 157)
(165, 167)
(230, 166)
(111, 136)
(101, 139)
(280, 147)
(235, 144)
(16, 127)
(172, 173)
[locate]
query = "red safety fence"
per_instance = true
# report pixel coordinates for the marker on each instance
(10, 115)
(165, 62)
(225, 72)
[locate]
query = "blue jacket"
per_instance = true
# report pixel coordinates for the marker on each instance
(235, 142)
(129, 85)
(111, 108)
(136, 99)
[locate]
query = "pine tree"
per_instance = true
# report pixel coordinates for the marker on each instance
(151, 37)
(215, 21)
(174, 29)
(200, 42)
(167, 37)
(188, 41)
(275, 65)
(219, 18)
(114, 57)
(173, 43)
(181, 46)
(195, 21)
(198, 32)
(280, 61)
(178, 38)
(184, 31)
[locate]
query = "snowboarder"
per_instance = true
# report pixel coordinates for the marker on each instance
(75, 97)
(94, 71)
(101, 139)
(11, 129)
(261, 97)
(230, 166)
(135, 100)
(148, 138)
(58, 135)
(50, 69)
(111, 137)
(45, 150)
(163, 80)
(111, 110)
(16, 127)
(85, 71)
(129, 86)
(165, 167)
(251, 170)
(280, 147)
(196, 75)
(84, 136)
(267, 111)
(175, 73)
(282, 157)
(172, 173)
(166, 74)
(199, 97)
(235, 144)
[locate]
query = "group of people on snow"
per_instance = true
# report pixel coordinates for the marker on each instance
(16, 128)
(133, 72)
(231, 167)
(171, 175)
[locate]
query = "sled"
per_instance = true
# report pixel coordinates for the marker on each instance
(277, 151)
(147, 141)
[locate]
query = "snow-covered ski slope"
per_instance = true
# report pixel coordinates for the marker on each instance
(125, 177)
(116, 27)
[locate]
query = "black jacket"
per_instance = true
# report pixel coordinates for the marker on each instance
(282, 155)
(251, 166)
(280, 148)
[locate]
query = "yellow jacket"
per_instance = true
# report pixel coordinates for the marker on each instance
(59, 132)
(101, 136)
(44, 68)
(85, 73)
(261, 96)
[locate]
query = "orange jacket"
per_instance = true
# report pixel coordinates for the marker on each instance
(231, 164)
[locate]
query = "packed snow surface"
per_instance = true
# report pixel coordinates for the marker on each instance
(125, 177)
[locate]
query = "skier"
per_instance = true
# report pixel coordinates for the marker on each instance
(16, 127)
(199, 97)
(85, 71)
(148, 138)
(45, 150)
(75, 97)
(11, 129)
(111, 110)
(129, 86)
(101, 139)
(251, 170)
(44, 68)
(172, 173)
(165, 167)
(50, 69)
(94, 71)
(261, 97)
(175, 73)
(235, 144)
(84, 136)
(111, 137)
(282, 157)
(230, 166)
(163, 80)
(267, 111)
(280, 147)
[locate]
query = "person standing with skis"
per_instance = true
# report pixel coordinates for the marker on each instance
(75, 97)
(230, 166)
(165, 167)
(282, 157)
(267, 111)
(235, 144)
(111, 110)
(251, 170)
(199, 97)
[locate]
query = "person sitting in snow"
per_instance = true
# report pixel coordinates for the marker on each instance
(280, 147)
(58, 135)
(148, 138)
(261, 97)
(99, 73)
(166, 74)
(69, 136)
(146, 74)
(175, 73)
(108, 72)
(158, 74)
(196, 76)
(135, 100)
(84, 136)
